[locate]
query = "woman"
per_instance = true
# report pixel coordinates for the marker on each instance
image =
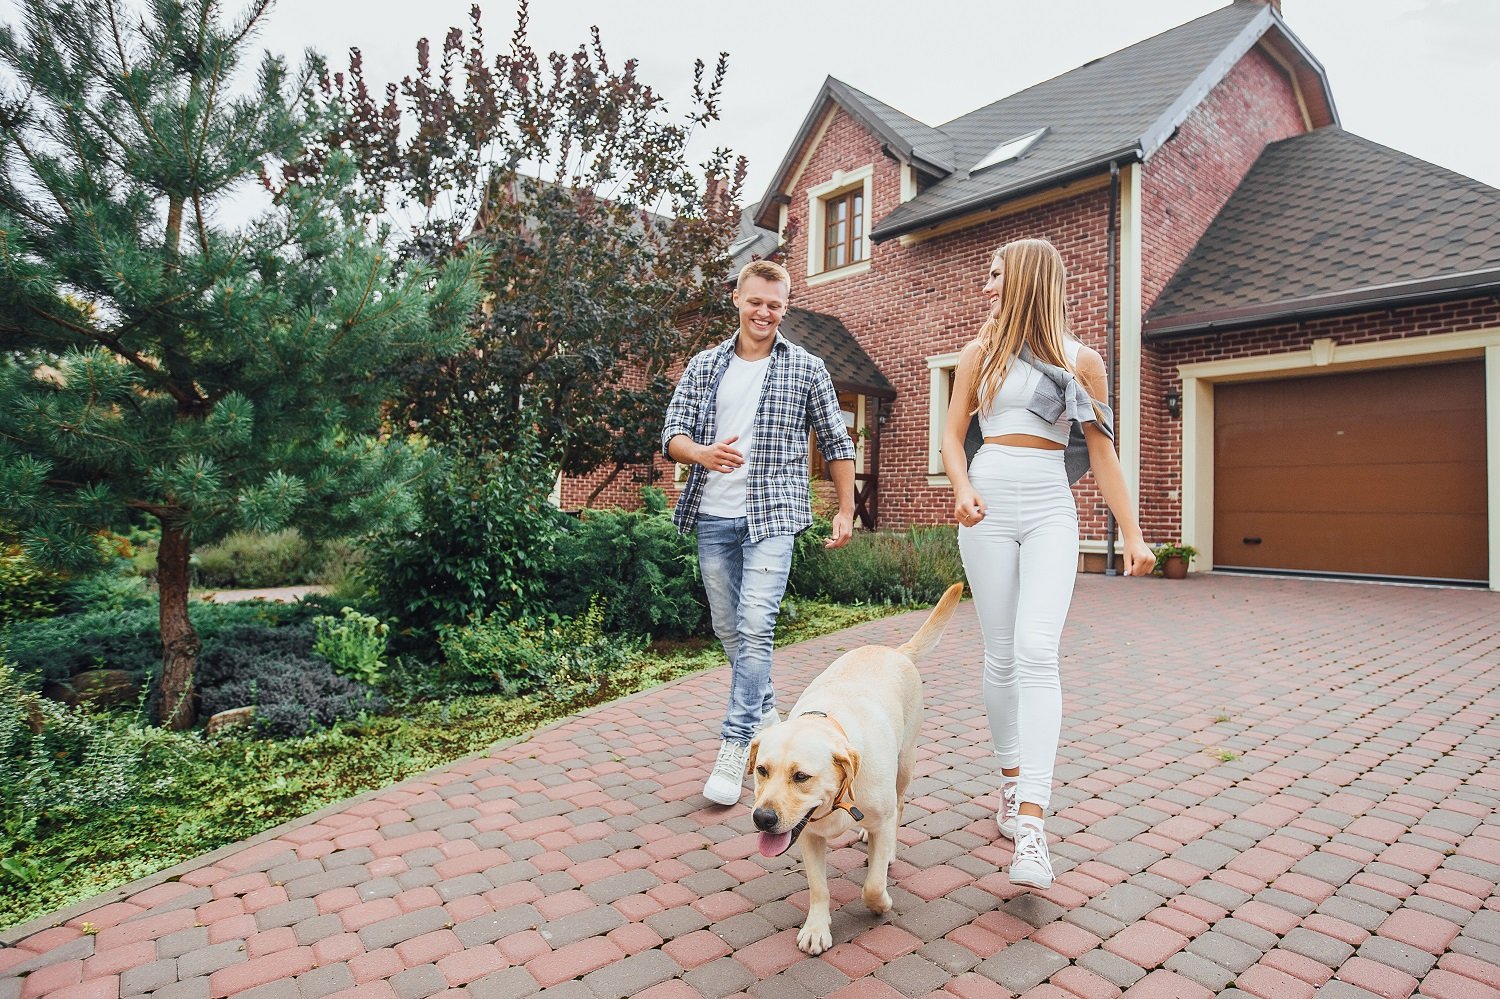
(1030, 382)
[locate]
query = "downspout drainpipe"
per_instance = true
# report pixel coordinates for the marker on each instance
(1113, 241)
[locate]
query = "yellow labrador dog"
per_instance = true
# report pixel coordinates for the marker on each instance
(845, 756)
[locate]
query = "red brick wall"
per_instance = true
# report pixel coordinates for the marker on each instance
(924, 300)
(1187, 181)
(1184, 185)
(1162, 513)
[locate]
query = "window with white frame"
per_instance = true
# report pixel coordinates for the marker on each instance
(839, 234)
(941, 370)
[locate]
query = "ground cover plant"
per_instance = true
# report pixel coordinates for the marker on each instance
(174, 796)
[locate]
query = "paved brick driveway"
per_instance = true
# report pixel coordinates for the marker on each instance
(1268, 787)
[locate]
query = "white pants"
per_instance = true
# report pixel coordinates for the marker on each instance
(1021, 560)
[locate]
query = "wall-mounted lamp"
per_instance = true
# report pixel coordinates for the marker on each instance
(882, 417)
(1173, 399)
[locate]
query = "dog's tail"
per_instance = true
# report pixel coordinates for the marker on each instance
(932, 629)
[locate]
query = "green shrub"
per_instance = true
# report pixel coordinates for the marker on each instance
(275, 670)
(246, 560)
(484, 546)
(911, 567)
(568, 659)
(637, 564)
(128, 639)
(26, 590)
(58, 764)
(353, 643)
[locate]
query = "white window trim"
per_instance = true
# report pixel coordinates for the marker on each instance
(841, 182)
(937, 414)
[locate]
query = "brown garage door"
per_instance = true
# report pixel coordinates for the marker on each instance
(1377, 473)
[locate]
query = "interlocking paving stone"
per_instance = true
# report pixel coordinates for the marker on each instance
(1022, 965)
(719, 978)
(207, 960)
(1359, 817)
(632, 975)
(1199, 969)
(1111, 967)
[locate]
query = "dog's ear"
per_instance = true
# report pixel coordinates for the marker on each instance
(847, 761)
(750, 760)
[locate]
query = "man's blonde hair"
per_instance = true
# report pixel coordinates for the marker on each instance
(767, 269)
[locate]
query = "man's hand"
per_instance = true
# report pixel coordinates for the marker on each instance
(843, 530)
(721, 457)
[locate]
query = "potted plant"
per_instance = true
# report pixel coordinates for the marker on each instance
(1172, 560)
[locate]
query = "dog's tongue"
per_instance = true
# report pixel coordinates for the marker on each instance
(774, 844)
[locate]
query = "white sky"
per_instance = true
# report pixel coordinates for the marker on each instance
(1422, 76)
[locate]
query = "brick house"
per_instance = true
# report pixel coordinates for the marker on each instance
(1302, 326)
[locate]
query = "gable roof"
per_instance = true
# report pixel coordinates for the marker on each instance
(1331, 222)
(848, 365)
(1120, 107)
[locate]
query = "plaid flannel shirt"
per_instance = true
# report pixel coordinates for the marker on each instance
(798, 395)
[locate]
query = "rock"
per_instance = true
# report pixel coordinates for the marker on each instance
(232, 718)
(95, 688)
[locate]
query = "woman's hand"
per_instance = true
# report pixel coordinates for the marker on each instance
(1139, 559)
(968, 507)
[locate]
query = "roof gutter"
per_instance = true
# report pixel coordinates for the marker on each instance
(1464, 285)
(883, 232)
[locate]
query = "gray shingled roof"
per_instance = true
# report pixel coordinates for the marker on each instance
(930, 147)
(848, 365)
(1330, 221)
(1119, 107)
(1127, 102)
(751, 243)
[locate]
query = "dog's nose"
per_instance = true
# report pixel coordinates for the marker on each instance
(765, 819)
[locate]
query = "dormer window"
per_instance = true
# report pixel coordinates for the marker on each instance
(1011, 149)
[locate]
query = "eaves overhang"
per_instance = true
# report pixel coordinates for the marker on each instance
(837, 92)
(884, 230)
(1464, 285)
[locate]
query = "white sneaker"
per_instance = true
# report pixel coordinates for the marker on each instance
(1032, 864)
(727, 781)
(766, 721)
(1010, 807)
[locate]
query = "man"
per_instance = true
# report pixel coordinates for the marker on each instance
(740, 418)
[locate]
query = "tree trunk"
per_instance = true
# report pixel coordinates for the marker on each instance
(613, 474)
(180, 643)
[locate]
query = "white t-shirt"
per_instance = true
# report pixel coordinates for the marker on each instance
(734, 414)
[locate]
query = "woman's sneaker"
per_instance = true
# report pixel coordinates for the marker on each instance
(1010, 807)
(1031, 865)
(727, 780)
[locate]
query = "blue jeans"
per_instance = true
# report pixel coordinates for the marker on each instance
(745, 581)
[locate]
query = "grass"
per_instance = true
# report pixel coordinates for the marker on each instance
(238, 787)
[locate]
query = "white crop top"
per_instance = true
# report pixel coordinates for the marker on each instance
(1008, 413)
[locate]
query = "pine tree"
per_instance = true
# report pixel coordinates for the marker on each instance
(157, 359)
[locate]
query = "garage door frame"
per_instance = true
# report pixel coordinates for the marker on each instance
(1324, 356)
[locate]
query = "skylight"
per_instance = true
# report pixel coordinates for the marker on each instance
(1014, 149)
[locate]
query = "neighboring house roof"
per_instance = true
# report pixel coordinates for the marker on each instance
(848, 365)
(1331, 222)
(752, 242)
(1120, 107)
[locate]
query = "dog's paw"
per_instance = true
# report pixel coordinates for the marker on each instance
(878, 903)
(814, 938)
(861, 835)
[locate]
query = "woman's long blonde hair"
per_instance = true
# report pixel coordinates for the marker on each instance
(1032, 312)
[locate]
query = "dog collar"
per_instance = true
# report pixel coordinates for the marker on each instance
(841, 804)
